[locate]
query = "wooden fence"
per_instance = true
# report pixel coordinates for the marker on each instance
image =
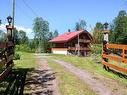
(115, 61)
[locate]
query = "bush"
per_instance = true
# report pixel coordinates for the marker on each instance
(96, 48)
(24, 48)
(16, 56)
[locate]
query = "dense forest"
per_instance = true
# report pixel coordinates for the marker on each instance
(42, 33)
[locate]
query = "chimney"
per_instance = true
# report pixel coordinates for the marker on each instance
(69, 30)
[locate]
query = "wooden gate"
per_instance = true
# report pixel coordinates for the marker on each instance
(117, 60)
(7, 52)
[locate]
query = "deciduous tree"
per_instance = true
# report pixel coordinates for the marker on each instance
(97, 33)
(41, 31)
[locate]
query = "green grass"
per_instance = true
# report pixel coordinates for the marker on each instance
(27, 60)
(68, 83)
(88, 64)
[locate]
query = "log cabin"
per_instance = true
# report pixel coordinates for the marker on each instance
(76, 43)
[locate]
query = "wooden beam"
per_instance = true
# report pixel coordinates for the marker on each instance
(117, 46)
(115, 67)
(115, 58)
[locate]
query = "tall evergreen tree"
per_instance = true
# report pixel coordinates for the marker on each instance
(50, 36)
(80, 25)
(55, 34)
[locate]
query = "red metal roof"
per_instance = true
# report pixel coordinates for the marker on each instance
(66, 36)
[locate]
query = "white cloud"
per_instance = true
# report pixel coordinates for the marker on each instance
(3, 27)
(28, 31)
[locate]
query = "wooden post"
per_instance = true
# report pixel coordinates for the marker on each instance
(105, 42)
(78, 46)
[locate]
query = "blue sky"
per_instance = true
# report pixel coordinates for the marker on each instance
(62, 14)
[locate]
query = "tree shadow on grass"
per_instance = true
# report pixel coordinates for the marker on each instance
(40, 82)
(13, 84)
(24, 78)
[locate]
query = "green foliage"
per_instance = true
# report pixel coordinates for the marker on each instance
(41, 30)
(16, 36)
(118, 29)
(16, 56)
(80, 25)
(22, 37)
(42, 34)
(50, 36)
(97, 33)
(2, 36)
(24, 48)
(55, 34)
(96, 48)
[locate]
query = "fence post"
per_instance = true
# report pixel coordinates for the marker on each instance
(105, 42)
(10, 39)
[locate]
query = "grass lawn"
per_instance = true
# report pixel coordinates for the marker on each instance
(27, 61)
(68, 83)
(88, 64)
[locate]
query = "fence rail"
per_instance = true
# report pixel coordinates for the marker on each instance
(113, 57)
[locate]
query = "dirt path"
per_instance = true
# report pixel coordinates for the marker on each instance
(95, 85)
(42, 80)
(102, 86)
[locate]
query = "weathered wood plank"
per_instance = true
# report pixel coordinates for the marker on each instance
(6, 72)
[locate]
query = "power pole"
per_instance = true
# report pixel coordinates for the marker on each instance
(13, 12)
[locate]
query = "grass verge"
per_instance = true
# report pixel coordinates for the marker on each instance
(68, 83)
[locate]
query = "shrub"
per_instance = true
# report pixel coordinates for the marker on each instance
(16, 56)
(96, 48)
